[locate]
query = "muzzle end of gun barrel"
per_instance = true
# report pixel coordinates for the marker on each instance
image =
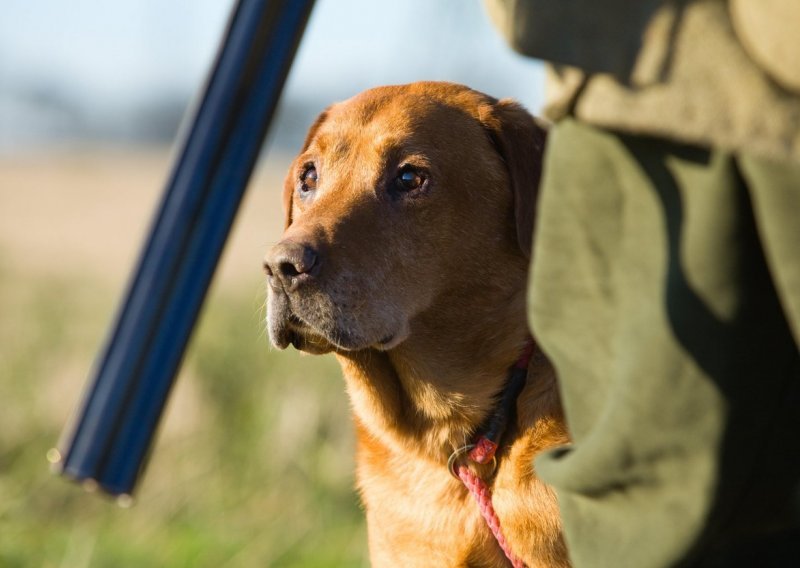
(58, 466)
(56, 460)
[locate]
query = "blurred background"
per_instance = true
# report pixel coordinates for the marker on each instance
(254, 462)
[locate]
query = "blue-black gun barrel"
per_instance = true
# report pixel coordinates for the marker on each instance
(108, 440)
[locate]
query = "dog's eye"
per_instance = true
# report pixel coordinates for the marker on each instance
(309, 179)
(409, 179)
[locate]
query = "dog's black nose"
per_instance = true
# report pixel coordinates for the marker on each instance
(288, 264)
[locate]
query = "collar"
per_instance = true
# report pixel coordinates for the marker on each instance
(482, 450)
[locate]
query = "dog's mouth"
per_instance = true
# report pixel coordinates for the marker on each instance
(304, 338)
(292, 330)
(392, 340)
(310, 343)
(287, 327)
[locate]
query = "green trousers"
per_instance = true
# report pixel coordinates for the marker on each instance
(665, 287)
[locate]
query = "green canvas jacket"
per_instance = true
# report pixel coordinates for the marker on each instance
(715, 73)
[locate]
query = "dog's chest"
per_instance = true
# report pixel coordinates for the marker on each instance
(418, 515)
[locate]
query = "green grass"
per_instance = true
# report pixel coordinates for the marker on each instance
(253, 466)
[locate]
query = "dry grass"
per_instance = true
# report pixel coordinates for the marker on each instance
(253, 466)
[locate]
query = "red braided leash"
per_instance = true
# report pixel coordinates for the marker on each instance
(483, 496)
(484, 449)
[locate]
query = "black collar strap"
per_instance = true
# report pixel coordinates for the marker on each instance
(483, 449)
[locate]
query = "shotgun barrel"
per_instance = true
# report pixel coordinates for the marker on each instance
(109, 437)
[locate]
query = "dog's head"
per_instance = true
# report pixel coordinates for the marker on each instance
(400, 196)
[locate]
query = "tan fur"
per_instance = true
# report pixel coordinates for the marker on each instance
(423, 301)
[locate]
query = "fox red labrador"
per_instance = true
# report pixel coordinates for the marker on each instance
(409, 215)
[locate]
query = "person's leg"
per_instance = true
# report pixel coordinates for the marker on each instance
(650, 293)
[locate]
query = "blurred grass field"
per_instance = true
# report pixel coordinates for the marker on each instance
(253, 465)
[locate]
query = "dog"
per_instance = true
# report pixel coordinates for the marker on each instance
(409, 215)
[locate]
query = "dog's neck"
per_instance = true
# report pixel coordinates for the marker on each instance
(430, 393)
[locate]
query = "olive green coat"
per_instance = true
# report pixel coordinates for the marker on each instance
(707, 72)
(665, 280)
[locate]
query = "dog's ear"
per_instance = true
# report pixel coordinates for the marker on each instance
(519, 139)
(290, 182)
